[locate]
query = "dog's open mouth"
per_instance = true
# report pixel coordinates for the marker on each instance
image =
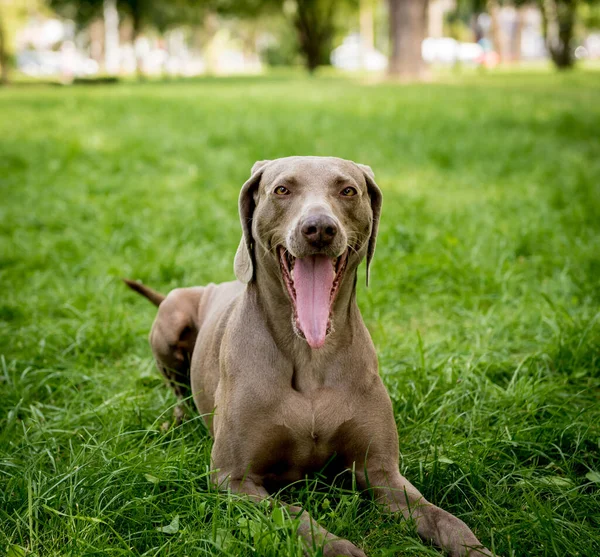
(312, 284)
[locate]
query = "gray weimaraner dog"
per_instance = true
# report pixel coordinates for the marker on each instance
(280, 363)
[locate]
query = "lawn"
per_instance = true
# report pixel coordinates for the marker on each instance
(483, 304)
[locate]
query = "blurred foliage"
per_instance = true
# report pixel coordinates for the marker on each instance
(315, 23)
(82, 12)
(151, 13)
(13, 14)
(282, 47)
(300, 30)
(559, 21)
(457, 25)
(164, 15)
(589, 15)
(247, 8)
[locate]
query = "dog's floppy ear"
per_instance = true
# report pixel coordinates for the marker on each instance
(258, 165)
(243, 264)
(376, 199)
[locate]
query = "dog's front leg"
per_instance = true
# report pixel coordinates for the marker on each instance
(397, 494)
(314, 535)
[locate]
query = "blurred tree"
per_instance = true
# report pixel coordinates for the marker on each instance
(472, 9)
(12, 16)
(493, 10)
(82, 12)
(517, 36)
(3, 53)
(144, 14)
(161, 16)
(246, 8)
(110, 13)
(408, 25)
(559, 18)
(589, 14)
(367, 25)
(314, 23)
(313, 20)
(277, 41)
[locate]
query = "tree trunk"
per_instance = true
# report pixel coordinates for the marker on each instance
(4, 75)
(366, 23)
(517, 37)
(96, 31)
(558, 20)
(408, 24)
(314, 25)
(136, 16)
(476, 28)
(496, 30)
(111, 37)
(436, 16)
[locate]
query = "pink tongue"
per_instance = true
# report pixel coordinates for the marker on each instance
(313, 281)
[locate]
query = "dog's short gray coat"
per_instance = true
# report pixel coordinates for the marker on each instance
(277, 408)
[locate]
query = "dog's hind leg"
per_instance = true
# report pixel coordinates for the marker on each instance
(173, 338)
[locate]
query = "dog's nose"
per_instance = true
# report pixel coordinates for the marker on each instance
(319, 230)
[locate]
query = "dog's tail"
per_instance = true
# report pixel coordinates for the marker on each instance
(155, 297)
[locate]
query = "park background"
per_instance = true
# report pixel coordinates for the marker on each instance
(123, 155)
(67, 40)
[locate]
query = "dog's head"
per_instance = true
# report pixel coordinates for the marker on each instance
(311, 220)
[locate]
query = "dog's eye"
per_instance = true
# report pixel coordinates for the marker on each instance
(348, 192)
(280, 190)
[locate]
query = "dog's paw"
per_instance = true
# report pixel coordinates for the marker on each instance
(179, 414)
(338, 547)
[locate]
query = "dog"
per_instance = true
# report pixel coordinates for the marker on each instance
(280, 363)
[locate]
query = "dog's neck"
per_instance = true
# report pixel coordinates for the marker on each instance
(269, 293)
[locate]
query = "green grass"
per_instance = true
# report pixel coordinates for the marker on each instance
(483, 305)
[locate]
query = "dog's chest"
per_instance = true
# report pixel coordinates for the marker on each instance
(311, 422)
